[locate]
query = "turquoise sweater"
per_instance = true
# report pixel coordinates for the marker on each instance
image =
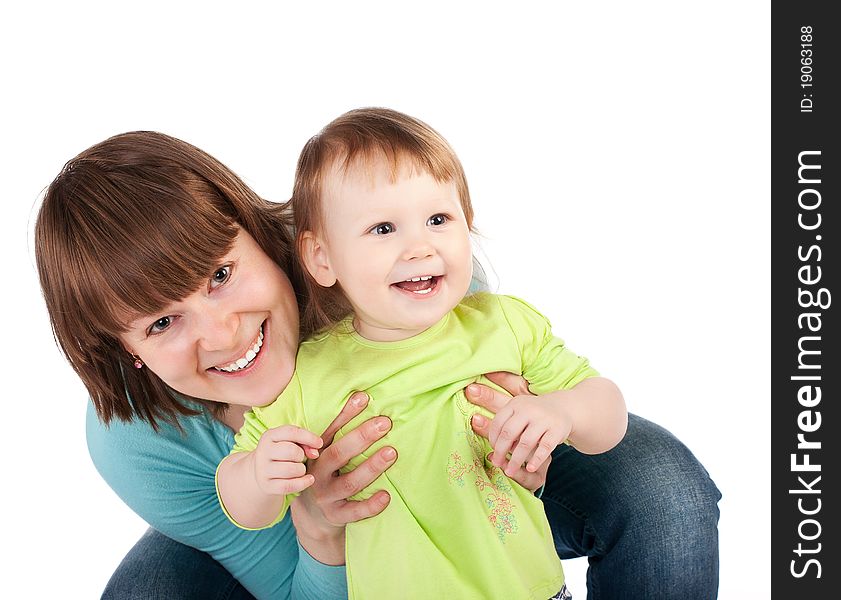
(168, 479)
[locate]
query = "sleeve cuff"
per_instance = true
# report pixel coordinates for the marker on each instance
(314, 579)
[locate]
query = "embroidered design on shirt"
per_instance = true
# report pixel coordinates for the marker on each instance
(489, 479)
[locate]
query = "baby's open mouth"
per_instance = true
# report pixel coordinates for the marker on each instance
(419, 285)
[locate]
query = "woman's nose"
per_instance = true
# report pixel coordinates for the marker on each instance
(218, 329)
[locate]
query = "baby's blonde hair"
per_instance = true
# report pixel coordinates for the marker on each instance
(362, 138)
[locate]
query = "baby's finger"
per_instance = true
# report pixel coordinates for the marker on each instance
(497, 424)
(281, 487)
(509, 434)
(285, 452)
(291, 433)
(548, 442)
(532, 481)
(523, 449)
(279, 469)
(310, 452)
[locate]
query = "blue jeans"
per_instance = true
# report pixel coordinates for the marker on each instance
(159, 568)
(645, 514)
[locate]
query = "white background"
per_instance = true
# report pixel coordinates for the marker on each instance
(618, 156)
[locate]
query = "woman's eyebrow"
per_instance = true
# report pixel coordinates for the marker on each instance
(135, 321)
(230, 258)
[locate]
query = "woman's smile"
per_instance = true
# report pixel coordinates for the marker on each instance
(245, 361)
(219, 338)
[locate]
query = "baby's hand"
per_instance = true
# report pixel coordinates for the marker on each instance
(278, 459)
(530, 428)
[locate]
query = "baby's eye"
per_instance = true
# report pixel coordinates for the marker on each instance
(159, 326)
(437, 220)
(220, 276)
(382, 229)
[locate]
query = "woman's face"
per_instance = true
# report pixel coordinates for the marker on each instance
(233, 340)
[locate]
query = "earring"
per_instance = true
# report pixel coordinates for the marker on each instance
(138, 364)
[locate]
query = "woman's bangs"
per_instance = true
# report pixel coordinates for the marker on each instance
(144, 283)
(161, 250)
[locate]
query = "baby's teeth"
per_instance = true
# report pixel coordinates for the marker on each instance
(249, 356)
(242, 362)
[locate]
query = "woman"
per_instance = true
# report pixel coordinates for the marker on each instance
(160, 270)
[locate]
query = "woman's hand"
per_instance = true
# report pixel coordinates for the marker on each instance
(321, 512)
(494, 401)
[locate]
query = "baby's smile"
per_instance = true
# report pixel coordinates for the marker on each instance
(420, 286)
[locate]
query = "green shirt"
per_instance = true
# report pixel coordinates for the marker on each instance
(456, 526)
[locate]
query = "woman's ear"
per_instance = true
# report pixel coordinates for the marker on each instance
(316, 259)
(125, 345)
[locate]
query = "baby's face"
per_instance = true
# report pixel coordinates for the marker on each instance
(399, 249)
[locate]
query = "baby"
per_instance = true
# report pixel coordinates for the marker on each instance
(383, 216)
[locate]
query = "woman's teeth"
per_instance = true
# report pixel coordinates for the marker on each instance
(250, 355)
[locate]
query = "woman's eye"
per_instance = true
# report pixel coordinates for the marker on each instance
(382, 229)
(437, 220)
(160, 325)
(220, 276)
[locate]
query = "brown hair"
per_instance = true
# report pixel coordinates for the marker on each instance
(130, 225)
(361, 137)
